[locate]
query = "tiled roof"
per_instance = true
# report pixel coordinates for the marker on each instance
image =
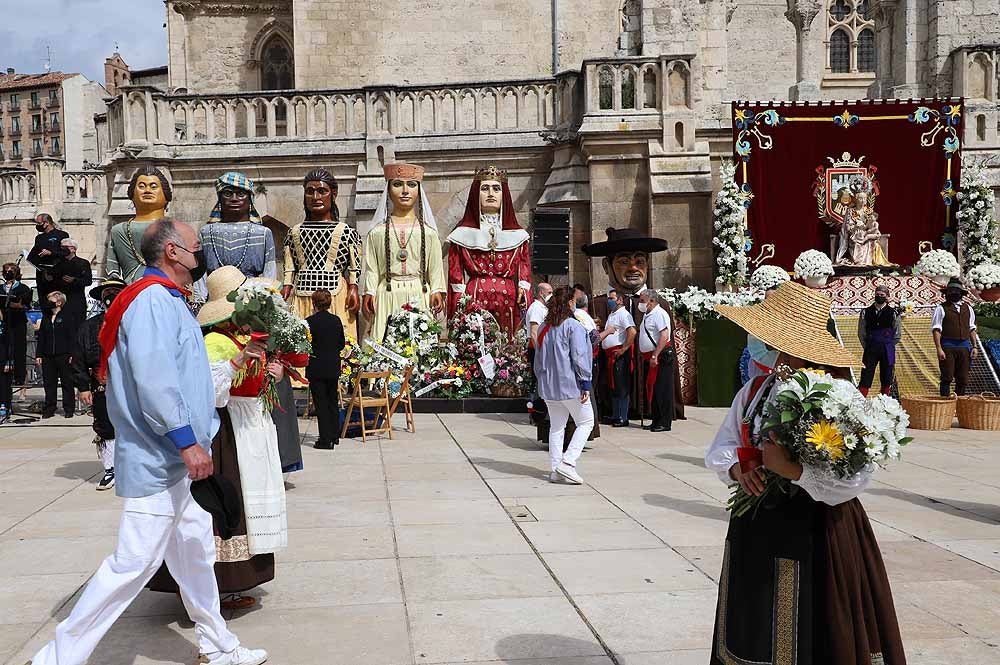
(19, 81)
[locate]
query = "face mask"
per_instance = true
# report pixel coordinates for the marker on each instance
(40, 228)
(954, 297)
(200, 268)
(9, 276)
(643, 307)
(880, 300)
(546, 298)
(612, 304)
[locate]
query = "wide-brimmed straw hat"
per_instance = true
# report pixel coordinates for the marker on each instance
(112, 282)
(220, 284)
(793, 319)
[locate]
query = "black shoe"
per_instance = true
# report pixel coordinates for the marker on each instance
(46, 416)
(659, 428)
(620, 424)
(323, 445)
(648, 427)
(335, 443)
(107, 482)
(68, 415)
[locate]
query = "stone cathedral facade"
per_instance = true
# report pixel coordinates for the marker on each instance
(616, 109)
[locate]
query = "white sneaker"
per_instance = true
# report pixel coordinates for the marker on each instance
(569, 473)
(554, 477)
(238, 656)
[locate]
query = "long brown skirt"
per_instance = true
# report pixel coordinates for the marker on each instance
(803, 583)
(235, 570)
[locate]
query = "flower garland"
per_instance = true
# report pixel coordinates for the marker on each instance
(731, 240)
(980, 231)
(698, 304)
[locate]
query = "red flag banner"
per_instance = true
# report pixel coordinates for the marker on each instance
(794, 164)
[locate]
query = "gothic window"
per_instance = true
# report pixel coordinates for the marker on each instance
(850, 37)
(605, 85)
(840, 52)
(276, 66)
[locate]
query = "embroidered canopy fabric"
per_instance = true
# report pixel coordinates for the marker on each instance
(796, 162)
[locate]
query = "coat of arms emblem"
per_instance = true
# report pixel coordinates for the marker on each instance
(832, 187)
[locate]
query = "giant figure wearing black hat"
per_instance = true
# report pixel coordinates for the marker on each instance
(626, 261)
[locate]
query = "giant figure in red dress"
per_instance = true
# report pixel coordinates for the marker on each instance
(490, 248)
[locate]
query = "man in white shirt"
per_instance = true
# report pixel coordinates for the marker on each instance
(656, 347)
(617, 339)
(536, 314)
(957, 343)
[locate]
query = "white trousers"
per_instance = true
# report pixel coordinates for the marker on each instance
(559, 414)
(169, 526)
(106, 451)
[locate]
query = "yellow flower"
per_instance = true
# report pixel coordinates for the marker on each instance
(824, 435)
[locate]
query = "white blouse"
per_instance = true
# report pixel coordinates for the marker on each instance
(821, 486)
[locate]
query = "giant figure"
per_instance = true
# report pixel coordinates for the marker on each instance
(491, 249)
(149, 191)
(625, 257)
(403, 260)
(323, 253)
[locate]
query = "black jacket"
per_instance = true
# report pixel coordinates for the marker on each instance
(16, 318)
(328, 342)
(52, 242)
(87, 354)
(79, 271)
(58, 338)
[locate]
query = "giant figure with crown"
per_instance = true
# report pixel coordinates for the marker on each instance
(488, 257)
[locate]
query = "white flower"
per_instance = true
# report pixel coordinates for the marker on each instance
(985, 276)
(768, 277)
(937, 262)
(813, 263)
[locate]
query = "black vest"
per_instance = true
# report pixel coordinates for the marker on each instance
(875, 318)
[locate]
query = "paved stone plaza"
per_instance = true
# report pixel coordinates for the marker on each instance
(448, 547)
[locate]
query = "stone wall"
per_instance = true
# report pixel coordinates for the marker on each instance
(954, 23)
(761, 51)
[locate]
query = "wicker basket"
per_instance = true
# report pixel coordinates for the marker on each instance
(979, 412)
(928, 412)
(505, 391)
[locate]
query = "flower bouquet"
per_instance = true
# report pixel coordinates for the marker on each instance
(985, 276)
(287, 337)
(513, 376)
(415, 335)
(937, 263)
(813, 264)
(351, 363)
(766, 278)
(456, 383)
(827, 425)
(474, 332)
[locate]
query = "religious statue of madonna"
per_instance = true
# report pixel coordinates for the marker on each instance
(859, 232)
(403, 260)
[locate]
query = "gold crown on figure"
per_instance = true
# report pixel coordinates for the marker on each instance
(401, 171)
(491, 173)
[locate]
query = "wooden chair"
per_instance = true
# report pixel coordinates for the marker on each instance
(379, 400)
(405, 398)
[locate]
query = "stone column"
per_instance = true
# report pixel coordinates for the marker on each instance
(49, 184)
(808, 51)
(885, 16)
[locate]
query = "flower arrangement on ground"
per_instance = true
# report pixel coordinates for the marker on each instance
(474, 332)
(813, 263)
(456, 381)
(513, 376)
(985, 276)
(829, 427)
(979, 229)
(768, 277)
(730, 241)
(351, 363)
(937, 262)
(289, 341)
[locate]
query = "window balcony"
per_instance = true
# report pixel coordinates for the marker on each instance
(14, 107)
(37, 129)
(55, 151)
(53, 127)
(36, 152)
(53, 101)
(35, 104)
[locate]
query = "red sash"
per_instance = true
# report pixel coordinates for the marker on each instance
(108, 335)
(611, 363)
(542, 332)
(651, 374)
(750, 456)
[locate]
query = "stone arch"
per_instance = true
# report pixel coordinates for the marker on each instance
(981, 127)
(678, 84)
(273, 56)
(979, 78)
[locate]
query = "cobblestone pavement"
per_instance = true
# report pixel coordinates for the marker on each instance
(447, 546)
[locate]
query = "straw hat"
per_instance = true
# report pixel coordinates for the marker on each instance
(220, 284)
(793, 319)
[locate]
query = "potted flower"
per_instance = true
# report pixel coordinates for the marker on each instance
(813, 267)
(938, 264)
(766, 278)
(986, 278)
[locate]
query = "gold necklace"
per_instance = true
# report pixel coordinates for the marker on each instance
(131, 243)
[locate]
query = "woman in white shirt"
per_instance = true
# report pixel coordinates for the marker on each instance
(803, 579)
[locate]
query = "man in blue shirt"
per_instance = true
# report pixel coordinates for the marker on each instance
(161, 401)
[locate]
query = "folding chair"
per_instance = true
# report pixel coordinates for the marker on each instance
(378, 399)
(405, 398)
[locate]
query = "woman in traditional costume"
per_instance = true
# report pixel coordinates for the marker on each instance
(802, 580)
(245, 450)
(403, 260)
